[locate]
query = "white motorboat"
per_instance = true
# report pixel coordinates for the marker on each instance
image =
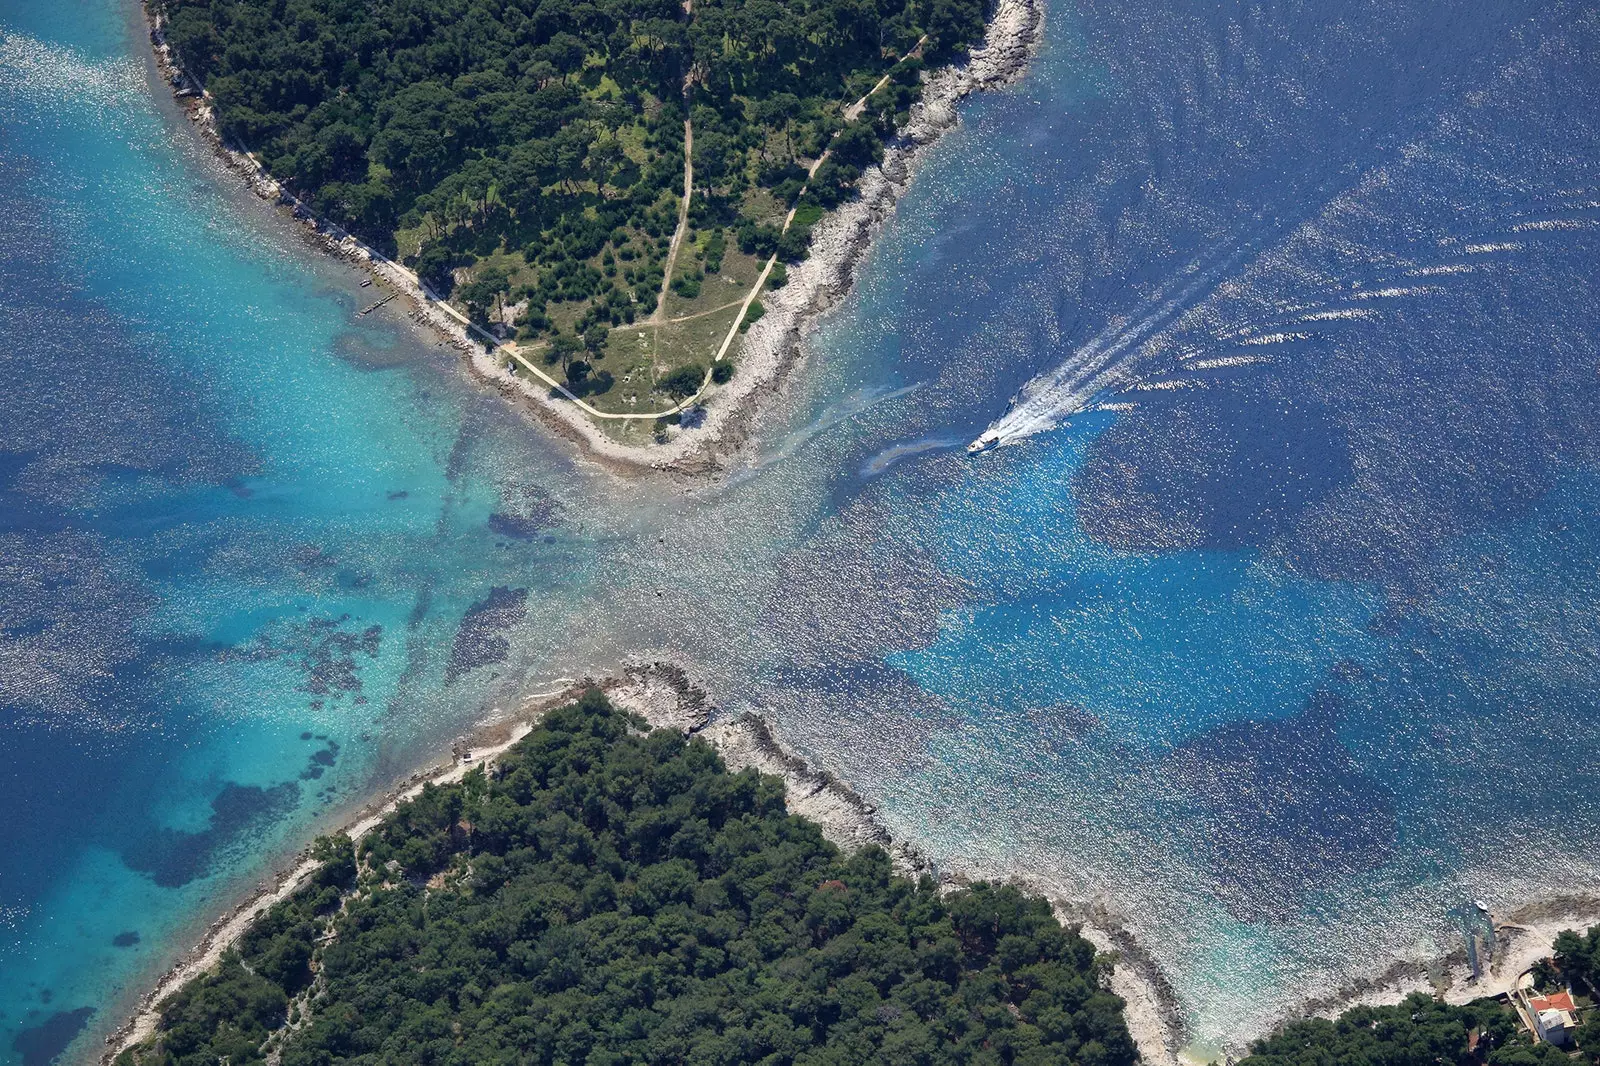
(989, 439)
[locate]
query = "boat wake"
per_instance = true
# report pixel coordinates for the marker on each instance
(835, 414)
(1233, 320)
(905, 450)
(1114, 358)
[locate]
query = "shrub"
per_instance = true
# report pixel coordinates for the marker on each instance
(684, 381)
(751, 317)
(794, 244)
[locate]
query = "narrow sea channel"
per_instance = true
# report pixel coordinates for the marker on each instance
(1274, 630)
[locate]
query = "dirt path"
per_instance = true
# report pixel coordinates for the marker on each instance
(855, 109)
(700, 314)
(850, 114)
(660, 313)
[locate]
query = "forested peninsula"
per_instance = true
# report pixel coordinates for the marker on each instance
(608, 895)
(603, 186)
(602, 893)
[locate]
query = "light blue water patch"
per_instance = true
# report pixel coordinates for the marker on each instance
(243, 532)
(1279, 662)
(1156, 649)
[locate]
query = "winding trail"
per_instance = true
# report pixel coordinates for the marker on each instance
(850, 114)
(660, 312)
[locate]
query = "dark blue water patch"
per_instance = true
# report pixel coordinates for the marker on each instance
(1427, 312)
(43, 1044)
(374, 349)
(127, 414)
(328, 653)
(517, 527)
(174, 857)
(1063, 725)
(478, 642)
(526, 512)
(1232, 468)
(125, 939)
(842, 676)
(1281, 810)
(12, 465)
(22, 630)
(181, 646)
(16, 516)
(56, 771)
(321, 761)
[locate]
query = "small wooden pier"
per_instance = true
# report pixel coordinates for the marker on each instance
(367, 310)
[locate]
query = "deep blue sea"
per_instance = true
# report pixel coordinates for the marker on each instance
(1273, 628)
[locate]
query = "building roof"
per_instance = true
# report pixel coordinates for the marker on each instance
(1554, 1001)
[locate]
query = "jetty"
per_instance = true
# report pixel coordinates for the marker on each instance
(367, 310)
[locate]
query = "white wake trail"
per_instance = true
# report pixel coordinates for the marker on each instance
(1111, 359)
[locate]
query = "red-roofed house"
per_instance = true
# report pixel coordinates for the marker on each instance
(1556, 1017)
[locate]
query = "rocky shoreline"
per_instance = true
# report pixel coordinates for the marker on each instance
(774, 346)
(663, 695)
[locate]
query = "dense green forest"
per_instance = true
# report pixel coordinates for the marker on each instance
(612, 896)
(539, 143)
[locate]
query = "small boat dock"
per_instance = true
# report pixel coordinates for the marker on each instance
(367, 310)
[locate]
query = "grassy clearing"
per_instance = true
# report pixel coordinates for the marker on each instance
(738, 274)
(639, 357)
(762, 206)
(630, 359)
(694, 341)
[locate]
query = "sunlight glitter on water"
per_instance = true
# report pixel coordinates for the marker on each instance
(1252, 652)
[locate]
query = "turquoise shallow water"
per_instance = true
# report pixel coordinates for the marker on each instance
(1281, 655)
(241, 535)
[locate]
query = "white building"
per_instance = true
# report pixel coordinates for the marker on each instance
(1556, 1017)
